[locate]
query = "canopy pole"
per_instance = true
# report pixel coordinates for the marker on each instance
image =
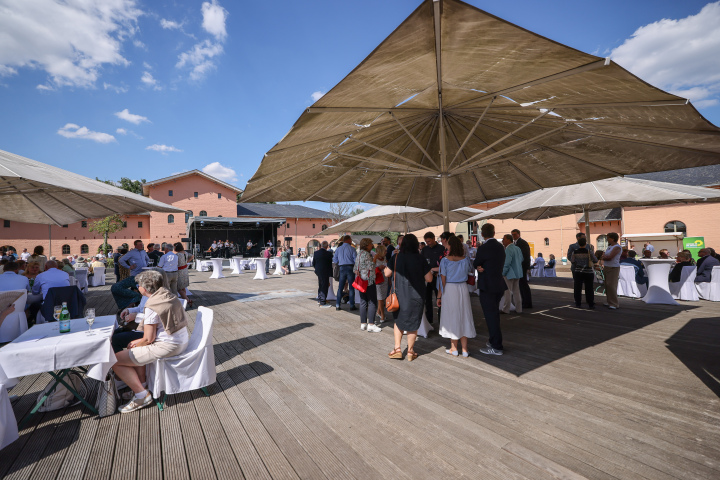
(587, 224)
(437, 6)
(50, 238)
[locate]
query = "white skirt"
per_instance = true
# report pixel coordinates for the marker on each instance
(456, 320)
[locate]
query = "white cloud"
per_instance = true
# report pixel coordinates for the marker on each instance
(163, 148)
(214, 19)
(131, 117)
(139, 44)
(71, 40)
(150, 81)
(121, 131)
(72, 130)
(169, 24)
(199, 58)
(147, 66)
(217, 170)
(677, 55)
(114, 88)
(316, 95)
(44, 88)
(6, 71)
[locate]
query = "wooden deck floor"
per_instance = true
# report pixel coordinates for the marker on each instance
(303, 393)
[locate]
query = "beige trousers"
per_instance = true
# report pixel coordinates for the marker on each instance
(172, 281)
(612, 275)
(514, 291)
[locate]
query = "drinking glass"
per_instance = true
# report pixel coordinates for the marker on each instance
(90, 317)
(57, 310)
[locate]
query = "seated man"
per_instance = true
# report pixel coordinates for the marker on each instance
(664, 254)
(640, 275)
(10, 280)
(51, 277)
(165, 334)
(125, 292)
(539, 262)
(683, 260)
(647, 254)
(705, 266)
(96, 263)
(551, 262)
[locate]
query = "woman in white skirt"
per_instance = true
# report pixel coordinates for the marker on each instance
(456, 322)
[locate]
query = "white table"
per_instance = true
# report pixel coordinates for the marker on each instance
(217, 268)
(44, 349)
(260, 266)
(278, 266)
(15, 324)
(236, 266)
(658, 285)
(293, 265)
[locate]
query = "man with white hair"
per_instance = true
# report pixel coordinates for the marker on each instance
(322, 261)
(169, 263)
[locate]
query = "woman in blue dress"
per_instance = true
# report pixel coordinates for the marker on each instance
(456, 322)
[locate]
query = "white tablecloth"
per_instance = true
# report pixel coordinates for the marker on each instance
(293, 264)
(260, 266)
(43, 349)
(217, 268)
(8, 423)
(658, 284)
(15, 324)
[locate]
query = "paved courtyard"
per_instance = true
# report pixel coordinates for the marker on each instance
(303, 393)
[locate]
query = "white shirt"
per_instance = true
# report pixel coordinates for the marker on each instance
(25, 256)
(249, 244)
(615, 262)
(49, 279)
(178, 338)
(13, 281)
(169, 262)
(213, 246)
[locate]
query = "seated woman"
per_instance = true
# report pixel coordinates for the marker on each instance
(682, 260)
(165, 334)
(551, 262)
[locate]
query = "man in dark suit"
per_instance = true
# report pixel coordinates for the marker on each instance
(489, 262)
(705, 264)
(524, 286)
(322, 261)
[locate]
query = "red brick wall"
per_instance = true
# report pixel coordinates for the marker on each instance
(28, 235)
(184, 197)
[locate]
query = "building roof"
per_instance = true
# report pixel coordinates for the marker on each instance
(147, 185)
(273, 210)
(698, 176)
(607, 215)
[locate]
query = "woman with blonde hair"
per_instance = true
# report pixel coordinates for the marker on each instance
(32, 270)
(382, 288)
(365, 269)
(456, 322)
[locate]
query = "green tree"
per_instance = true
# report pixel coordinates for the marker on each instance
(106, 226)
(134, 186)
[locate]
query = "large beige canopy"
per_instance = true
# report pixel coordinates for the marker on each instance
(590, 196)
(393, 218)
(458, 106)
(35, 192)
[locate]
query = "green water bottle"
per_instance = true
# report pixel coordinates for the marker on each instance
(64, 319)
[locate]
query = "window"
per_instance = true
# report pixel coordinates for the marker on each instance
(171, 218)
(313, 226)
(324, 227)
(195, 194)
(163, 245)
(288, 225)
(170, 193)
(66, 249)
(125, 245)
(139, 224)
(602, 242)
(203, 213)
(124, 224)
(83, 224)
(84, 249)
(64, 226)
(188, 214)
(547, 241)
(219, 195)
(676, 226)
(219, 216)
(6, 223)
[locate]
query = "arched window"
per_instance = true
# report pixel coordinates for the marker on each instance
(602, 242)
(203, 213)
(676, 226)
(9, 247)
(84, 249)
(547, 241)
(66, 249)
(171, 218)
(188, 214)
(324, 227)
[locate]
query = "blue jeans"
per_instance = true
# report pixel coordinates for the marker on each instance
(346, 275)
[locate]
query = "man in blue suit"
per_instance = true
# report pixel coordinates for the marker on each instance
(489, 262)
(705, 265)
(322, 261)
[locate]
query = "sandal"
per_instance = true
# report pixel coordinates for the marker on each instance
(411, 356)
(396, 353)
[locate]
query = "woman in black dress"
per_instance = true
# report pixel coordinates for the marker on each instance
(410, 271)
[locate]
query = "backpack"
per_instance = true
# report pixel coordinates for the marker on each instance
(61, 397)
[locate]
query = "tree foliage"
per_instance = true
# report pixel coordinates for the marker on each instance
(340, 211)
(134, 186)
(106, 226)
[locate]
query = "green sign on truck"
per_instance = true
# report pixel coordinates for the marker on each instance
(694, 244)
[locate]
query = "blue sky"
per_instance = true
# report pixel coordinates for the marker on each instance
(147, 89)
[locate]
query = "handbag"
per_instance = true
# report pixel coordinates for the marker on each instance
(336, 272)
(379, 276)
(391, 302)
(61, 397)
(108, 396)
(471, 280)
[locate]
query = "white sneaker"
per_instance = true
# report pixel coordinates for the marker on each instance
(374, 328)
(363, 326)
(136, 404)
